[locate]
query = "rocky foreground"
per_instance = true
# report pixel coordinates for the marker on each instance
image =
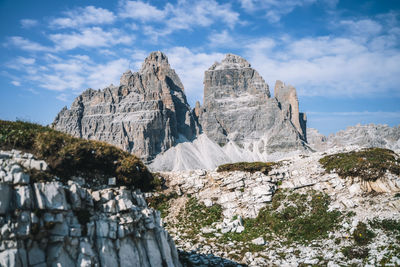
(297, 213)
(74, 222)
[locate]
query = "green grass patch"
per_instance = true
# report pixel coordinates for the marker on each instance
(390, 226)
(161, 202)
(69, 156)
(251, 167)
(369, 164)
(196, 216)
(293, 217)
(352, 252)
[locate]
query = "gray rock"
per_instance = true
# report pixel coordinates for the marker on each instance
(5, 198)
(21, 178)
(369, 135)
(145, 115)
(36, 255)
(50, 196)
(238, 108)
(23, 197)
(258, 241)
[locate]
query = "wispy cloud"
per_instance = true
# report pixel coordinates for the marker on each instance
(62, 97)
(341, 65)
(140, 10)
(16, 83)
(84, 16)
(90, 37)
(28, 23)
(274, 9)
(184, 15)
(26, 44)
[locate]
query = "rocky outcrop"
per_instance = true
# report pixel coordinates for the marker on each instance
(238, 108)
(145, 115)
(370, 135)
(289, 104)
(242, 196)
(75, 224)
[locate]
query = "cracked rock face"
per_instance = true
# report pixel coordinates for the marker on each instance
(145, 115)
(238, 107)
(75, 224)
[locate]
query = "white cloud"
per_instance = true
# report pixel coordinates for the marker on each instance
(103, 75)
(328, 66)
(28, 23)
(190, 67)
(184, 15)
(141, 11)
(90, 37)
(223, 38)
(275, 9)
(62, 97)
(26, 44)
(365, 27)
(25, 60)
(79, 17)
(16, 83)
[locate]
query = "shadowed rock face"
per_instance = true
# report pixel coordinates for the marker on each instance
(289, 104)
(238, 107)
(145, 115)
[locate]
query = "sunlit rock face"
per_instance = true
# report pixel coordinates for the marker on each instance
(75, 223)
(238, 108)
(148, 115)
(145, 115)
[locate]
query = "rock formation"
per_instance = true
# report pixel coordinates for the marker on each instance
(289, 104)
(75, 224)
(145, 115)
(370, 135)
(148, 115)
(238, 108)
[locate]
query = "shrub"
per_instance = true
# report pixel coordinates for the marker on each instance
(355, 252)
(161, 202)
(69, 156)
(251, 167)
(369, 164)
(362, 235)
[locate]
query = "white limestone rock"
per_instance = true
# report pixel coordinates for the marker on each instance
(50, 196)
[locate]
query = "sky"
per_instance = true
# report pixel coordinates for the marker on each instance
(342, 56)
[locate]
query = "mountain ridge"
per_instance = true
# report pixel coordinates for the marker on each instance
(148, 114)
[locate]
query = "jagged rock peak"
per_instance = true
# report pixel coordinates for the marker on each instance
(124, 80)
(287, 97)
(231, 61)
(156, 59)
(146, 115)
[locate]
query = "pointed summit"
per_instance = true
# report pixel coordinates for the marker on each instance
(155, 60)
(231, 61)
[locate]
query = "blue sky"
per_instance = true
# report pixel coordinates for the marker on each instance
(342, 56)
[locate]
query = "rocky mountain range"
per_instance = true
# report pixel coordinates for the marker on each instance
(145, 115)
(370, 135)
(148, 115)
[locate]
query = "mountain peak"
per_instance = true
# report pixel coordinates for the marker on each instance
(231, 61)
(155, 59)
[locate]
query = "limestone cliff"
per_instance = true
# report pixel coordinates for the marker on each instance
(75, 223)
(238, 108)
(145, 115)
